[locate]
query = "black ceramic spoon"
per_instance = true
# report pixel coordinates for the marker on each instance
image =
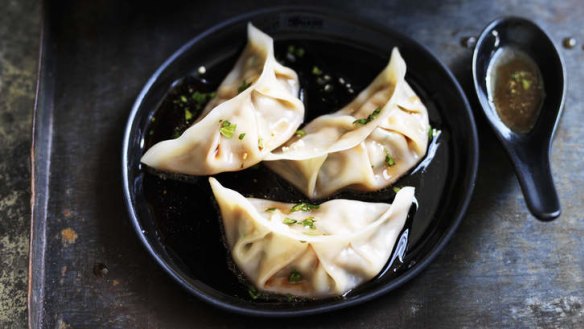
(529, 152)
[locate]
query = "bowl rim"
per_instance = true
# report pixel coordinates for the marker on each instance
(182, 279)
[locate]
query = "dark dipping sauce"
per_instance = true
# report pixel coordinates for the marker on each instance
(515, 87)
(187, 218)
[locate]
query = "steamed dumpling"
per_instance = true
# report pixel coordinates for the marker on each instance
(256, 110)
(367, 145)
(311, 252)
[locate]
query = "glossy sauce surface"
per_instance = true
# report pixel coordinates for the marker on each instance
(515, 87)
(187, 217)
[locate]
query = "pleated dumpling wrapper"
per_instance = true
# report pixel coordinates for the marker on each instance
(307, 250)
(256, 110)
(367, 145)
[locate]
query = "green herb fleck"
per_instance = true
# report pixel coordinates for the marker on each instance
(432, 132)
(253, 293)
(270, 209)
(360, 122)
(199, 97)
(396, 189)
(188, 115)
(316, 70)
(241, 136)
(183, 98)
(244, 85)
(304, 207)
(308, 222)
(294, 277)
(370, 117)
(227, 129)
(289, 221)
(300, 133)
(261, 143)
(526, 84)
(299, 52)
(389, 161)
(296, 51)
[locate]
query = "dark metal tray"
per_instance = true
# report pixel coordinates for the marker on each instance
(88, 270)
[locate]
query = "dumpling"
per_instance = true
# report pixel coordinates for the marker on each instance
(308, 250)
(256, 110)
(367, 145)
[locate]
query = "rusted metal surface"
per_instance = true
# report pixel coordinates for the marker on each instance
(502, 269)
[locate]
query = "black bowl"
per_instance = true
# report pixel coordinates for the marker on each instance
(180, 228)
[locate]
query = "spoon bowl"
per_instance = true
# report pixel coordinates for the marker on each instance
(529, 151)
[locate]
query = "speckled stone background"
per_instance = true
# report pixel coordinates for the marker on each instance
(19, 37)
(502, 268)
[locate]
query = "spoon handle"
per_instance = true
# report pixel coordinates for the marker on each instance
(537, 183)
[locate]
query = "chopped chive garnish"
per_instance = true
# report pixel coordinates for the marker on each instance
(316, 70)
(296, 51)
(360, 122)
(244, 85)
(253, 293)
(241, 136)
(289, 221)
(261, 143)
(370, 117)
(188, 115)
(183, 98)
(308, 222)
(294, 277)
(227, 129)
(304, 207)
(300, 133)
(396, 189)
(389, 161)
(199, 97)
(432, 132)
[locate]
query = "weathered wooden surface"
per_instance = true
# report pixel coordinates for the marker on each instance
(19, 35)
(502, 269)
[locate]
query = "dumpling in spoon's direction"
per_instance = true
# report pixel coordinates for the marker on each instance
(367, 145)
(310, 250)
(256, 110)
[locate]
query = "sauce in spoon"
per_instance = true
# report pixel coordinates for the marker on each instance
(515, 88)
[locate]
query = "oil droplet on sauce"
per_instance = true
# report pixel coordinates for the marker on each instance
(515, 88)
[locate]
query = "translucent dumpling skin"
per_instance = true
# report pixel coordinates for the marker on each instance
(367, 145)
(256, 110)
(310, 250)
